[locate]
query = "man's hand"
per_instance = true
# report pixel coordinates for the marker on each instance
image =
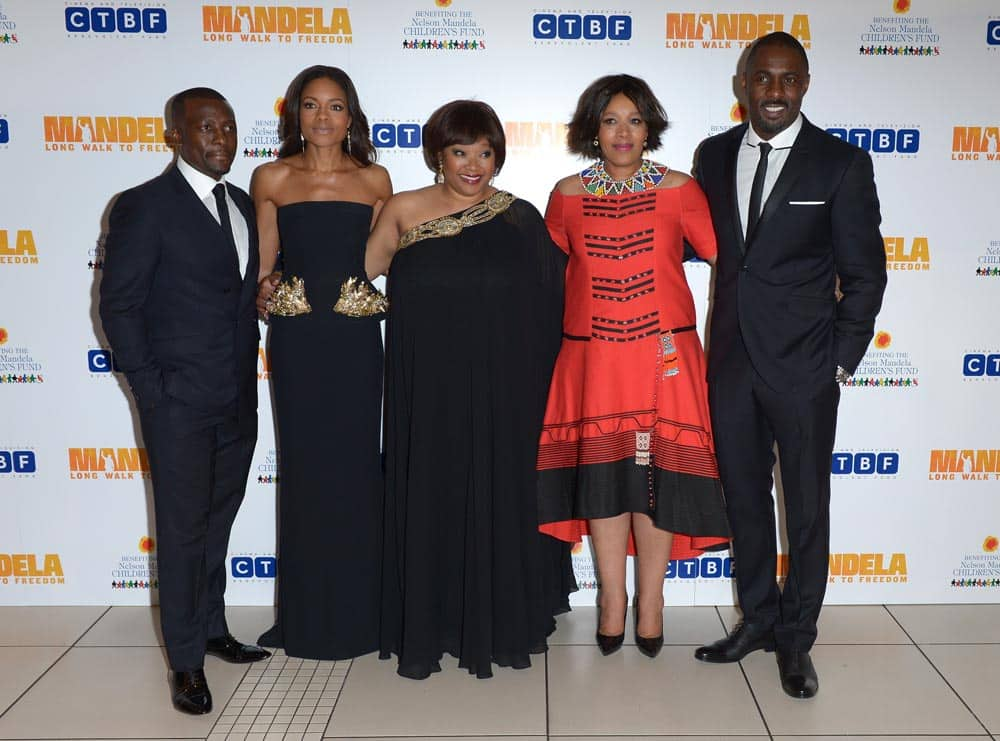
(264, 291)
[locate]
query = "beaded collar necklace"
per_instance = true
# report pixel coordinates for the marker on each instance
(596, 181)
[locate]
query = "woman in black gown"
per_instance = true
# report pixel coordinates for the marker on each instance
(316, 204)
(475, 292)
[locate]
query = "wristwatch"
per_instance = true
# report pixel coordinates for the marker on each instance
(842, 375)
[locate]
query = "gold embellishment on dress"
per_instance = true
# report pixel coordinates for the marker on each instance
(360, 299)
(289, 298)
(449, 226)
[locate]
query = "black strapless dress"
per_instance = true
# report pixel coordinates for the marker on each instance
(326, 374)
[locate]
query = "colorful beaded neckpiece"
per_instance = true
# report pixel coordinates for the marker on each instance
(596, 181)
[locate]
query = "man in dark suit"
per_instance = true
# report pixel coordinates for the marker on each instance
(796, 215)
(177, 304)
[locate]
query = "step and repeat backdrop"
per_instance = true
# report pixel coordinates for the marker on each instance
(916, 472)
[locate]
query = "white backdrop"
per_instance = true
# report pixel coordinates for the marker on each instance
(916, 502)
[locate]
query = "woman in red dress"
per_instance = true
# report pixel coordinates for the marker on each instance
(626, 452)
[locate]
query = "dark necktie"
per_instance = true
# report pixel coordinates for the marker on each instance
(757, 189)
(219, 191)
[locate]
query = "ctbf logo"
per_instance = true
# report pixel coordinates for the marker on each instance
(590, 27)
(4, 131)
(254, 567)
(865, 464)
(102, 361)
(403, 135)
(881, 141)
(81, 19)
(17, 461)
(993, 32)
(980, 364)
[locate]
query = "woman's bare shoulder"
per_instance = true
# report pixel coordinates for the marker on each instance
(570, 185)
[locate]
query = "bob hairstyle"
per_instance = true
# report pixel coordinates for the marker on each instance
(463, 122)
(587, 118)
(290, 130)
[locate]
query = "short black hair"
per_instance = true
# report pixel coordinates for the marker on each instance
(587, 118)
(778, 38)
(290, 130)
(463, 122)
(175, 106)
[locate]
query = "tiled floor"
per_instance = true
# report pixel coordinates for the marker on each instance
(905, 672)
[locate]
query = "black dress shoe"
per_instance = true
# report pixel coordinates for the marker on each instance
(650, 647)
(798, 675)
(229, 649)
(191, 693)
(744, 639)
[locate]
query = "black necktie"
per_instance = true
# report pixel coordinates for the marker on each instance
(219, 191)
(757, 189)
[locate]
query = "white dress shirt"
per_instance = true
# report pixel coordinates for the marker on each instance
(746, 164)
(202, 186)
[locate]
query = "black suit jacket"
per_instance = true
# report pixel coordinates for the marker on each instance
(820, 222)
(180, 318)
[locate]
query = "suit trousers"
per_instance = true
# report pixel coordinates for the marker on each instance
(748, 418)
(199, 462)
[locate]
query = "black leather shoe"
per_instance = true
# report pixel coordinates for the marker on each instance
(745, 638)
(229, 649)
(650, 647)
(191, 693)
(798, 675)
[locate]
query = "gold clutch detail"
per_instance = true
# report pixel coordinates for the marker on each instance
(289, 298)
(359, 299)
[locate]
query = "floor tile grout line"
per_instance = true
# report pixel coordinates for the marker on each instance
(50, 666)
(945, 680)
(896, 621)
(548, 722)
(935, 668)
(340, 692)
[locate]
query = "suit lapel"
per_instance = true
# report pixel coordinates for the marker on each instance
(729, 177)
(795, 165)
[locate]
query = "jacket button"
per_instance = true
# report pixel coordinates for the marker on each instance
(746, 268)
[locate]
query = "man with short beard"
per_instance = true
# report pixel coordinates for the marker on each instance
(796, 215)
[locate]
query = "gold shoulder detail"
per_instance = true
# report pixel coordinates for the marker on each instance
(360, 299)
(449, 226)
(289, 298)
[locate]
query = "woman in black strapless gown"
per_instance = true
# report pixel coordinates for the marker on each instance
(317, 203)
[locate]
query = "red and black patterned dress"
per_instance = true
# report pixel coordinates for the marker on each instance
(627, 423)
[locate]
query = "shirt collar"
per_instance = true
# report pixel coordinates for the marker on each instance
(200, 183)
(783, 140)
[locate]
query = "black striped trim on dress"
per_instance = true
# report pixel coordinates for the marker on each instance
(622, 289)
(625, 330)
(602, 208)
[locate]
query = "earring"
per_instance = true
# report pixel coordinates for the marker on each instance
(348, 139)
(439, 177)
(597, 144)
(302, 140)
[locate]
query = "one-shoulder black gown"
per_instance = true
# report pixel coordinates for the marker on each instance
(474, 327)
(326, 373)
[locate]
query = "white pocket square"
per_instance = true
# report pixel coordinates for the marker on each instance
(806, 203)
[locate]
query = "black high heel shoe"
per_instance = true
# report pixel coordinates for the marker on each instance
(608, 644)
(647, 646)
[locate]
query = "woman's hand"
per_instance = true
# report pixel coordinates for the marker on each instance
(265, 289)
